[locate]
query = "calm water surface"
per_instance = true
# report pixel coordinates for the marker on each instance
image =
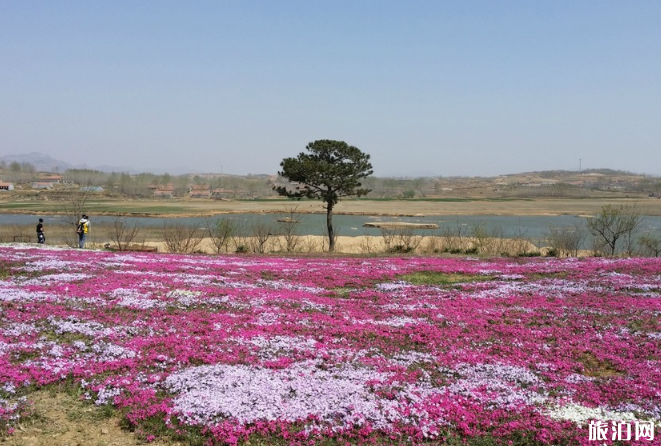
(531, 227)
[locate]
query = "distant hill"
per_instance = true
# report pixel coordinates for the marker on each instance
(40, 161)
(46, 163)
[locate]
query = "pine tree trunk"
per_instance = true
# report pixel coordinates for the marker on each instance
(329, 226)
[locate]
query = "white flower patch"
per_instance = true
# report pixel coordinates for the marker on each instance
(107, 352)
(580, 414)
(557, 288)
(393, 286)
(497, 385)
(511, 276)
(47, 264)
(71, 325)
(106, 395)
(186, 298)
(486, 271)
(9, 388)
(267, 319)
(280, 345)
(280, 285)
(9, 293)
(410, 307)
(140, 302)
(399, 321)
(339, 397)
(191, 279)
(309, 305)
(409, 358)
(505, 372)
(653, 412)
(59, 278)
(575, 378)
(18, 329)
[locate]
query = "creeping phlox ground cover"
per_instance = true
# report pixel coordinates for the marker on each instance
(342, 350)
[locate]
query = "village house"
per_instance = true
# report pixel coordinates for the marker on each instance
(41, 185)
(166, 191)
(199, 191)
(55, 179)
(6, 186)
(220, 193)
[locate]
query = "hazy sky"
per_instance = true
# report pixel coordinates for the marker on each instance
(462, 87)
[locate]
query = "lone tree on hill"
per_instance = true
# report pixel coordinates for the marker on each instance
(331, 170)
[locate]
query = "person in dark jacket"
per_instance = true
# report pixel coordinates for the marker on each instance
(41, 237)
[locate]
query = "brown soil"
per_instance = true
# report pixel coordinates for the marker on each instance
(61, 420)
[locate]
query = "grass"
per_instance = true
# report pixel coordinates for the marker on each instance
(439, 278)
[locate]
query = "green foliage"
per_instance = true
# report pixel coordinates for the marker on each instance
(529, 254)
(242, 249)
(439, 278)
(331, 170)
(5, 269)
(400, 249)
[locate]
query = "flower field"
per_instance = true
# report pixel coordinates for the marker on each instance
(332, 350)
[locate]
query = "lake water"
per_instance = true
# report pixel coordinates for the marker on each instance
(530, 227)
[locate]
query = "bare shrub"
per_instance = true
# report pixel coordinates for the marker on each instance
(330, 241)
(479, 237)
(240, 237)
(288, 229)
(260, 234)
(18, 234)
(75, 205)
(650, 244)
(123, 233)
(611, 225)
(567, 241)
(400, 240)
(311, 244)
(368, 245)
(181, 238)
(454, 236)
(520, 243)
(221, 232)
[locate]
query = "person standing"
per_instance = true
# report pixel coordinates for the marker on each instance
(41, 237)
(82, 230)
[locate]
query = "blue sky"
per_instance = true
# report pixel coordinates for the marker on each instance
(447, 88)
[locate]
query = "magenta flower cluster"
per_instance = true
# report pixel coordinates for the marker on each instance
(355, 348)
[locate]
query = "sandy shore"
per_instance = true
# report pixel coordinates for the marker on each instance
(364, 244)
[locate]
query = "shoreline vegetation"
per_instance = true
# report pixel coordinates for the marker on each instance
(395, 239)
